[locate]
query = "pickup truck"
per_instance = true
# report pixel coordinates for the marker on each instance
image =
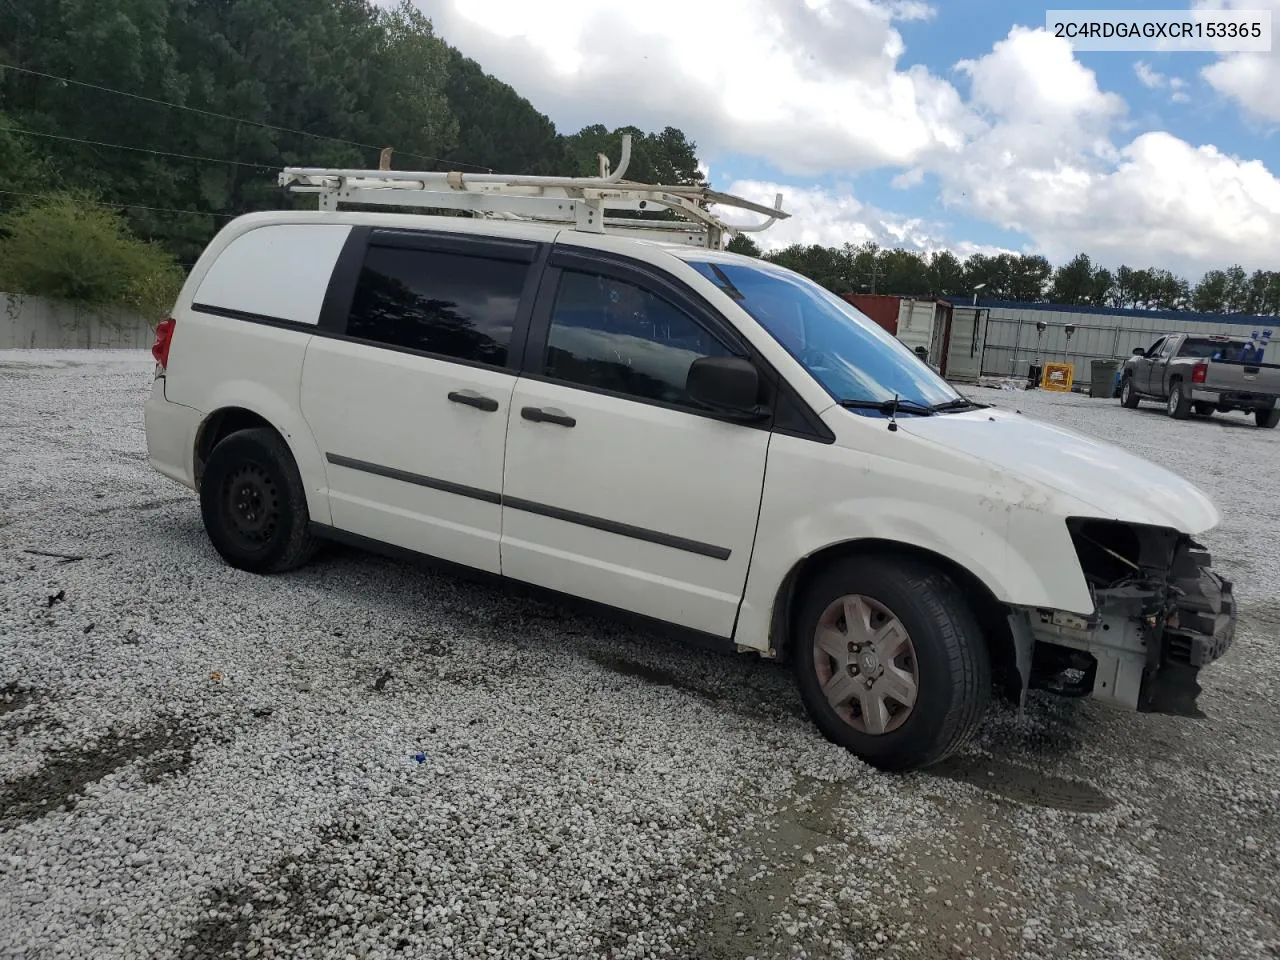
(1202, 374)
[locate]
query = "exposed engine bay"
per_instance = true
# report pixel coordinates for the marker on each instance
(1160, 615)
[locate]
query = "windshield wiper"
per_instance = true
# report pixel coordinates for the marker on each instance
(887, 406)
(728, 285)
(960, 403)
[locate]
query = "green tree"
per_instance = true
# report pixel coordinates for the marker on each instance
(666, 157)
(904, 273)
(946, 274)
(1263, 295)
(1027, 278)
(67, 249)
(312, 79)
(1236, 295)
(497, 128)
(1210, 294)
(1124, 291)
(742, 243)
(987, 272)
(1073, 282)
(1168, 292)
(1100, 285)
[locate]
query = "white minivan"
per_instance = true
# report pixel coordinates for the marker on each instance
(686, 434)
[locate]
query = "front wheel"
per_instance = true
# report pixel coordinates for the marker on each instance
(1267, 418)
(890, 661)
(1128, 396)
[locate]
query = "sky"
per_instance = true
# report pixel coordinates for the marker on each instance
(925, 125)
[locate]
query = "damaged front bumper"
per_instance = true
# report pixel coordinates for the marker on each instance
(1151, 632)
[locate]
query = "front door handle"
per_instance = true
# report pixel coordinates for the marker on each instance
(550, 415)
(473, 399)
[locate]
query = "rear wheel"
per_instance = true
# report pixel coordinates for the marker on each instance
(890, 661)
(1203, 409)
(253, 503)
(1267, 418)
(1179, 404)
(1128, 396)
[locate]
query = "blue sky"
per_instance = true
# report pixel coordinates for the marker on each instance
(926, 125)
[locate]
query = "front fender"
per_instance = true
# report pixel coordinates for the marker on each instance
(1011, 537)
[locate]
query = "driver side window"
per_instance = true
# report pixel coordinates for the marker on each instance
(1157, 347)
(613, 335)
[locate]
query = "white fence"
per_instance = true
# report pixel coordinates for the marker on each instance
(1010, 341)
(37, 323)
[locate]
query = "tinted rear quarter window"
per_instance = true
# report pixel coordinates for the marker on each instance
(455, 305)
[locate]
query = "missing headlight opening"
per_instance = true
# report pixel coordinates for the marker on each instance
(1160, 614)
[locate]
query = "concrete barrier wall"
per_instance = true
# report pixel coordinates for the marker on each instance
(37, 323)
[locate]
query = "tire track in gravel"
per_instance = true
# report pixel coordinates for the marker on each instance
(15, 699)
(161, 748)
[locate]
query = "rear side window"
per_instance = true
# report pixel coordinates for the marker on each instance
(275, 272)
(455, 305)
(616, 336)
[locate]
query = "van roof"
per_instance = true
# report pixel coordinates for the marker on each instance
(483, 226)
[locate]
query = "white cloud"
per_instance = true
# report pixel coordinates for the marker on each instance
(1032, 77)
(1166, 202)
(909, 178)
(829, 218)
(836, 217)
(1055, 174)
(1147, 76)
(814, 87)
(910, 10)
(1251, 79)
(1154, 80)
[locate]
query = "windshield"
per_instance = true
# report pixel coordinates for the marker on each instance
(853, 357)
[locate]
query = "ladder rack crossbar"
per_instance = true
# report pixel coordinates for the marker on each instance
(580, 201)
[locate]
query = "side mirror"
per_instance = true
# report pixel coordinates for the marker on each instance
(1139, 352)
(729, 385)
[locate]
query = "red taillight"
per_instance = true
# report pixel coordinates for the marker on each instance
(1198, 374)
(164, 337)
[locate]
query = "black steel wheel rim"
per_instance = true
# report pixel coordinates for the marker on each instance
(251, 505)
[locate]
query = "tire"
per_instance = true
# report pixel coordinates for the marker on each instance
(1267, 418)
(1203, 409)
(248, 469)
(1179, 403)
(1128, 396)
(946, 655)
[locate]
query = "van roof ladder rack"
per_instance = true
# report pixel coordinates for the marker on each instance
(579, 202)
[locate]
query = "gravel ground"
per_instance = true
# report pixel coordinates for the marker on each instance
(370, 759)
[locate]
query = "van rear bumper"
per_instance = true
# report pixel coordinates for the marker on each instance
(171, 436)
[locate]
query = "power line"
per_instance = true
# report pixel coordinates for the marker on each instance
(131, 206)
(157, 153)
(225, 116)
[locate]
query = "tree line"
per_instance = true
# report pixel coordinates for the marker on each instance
(148, 124)
(869, 268)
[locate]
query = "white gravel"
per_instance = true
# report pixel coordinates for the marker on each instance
(196, 762)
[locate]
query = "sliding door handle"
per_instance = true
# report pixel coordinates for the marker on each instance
(550, 415)
(472, 399)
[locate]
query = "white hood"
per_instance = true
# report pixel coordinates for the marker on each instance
(1117, 484)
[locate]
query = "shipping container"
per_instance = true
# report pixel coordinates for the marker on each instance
(881, 308)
